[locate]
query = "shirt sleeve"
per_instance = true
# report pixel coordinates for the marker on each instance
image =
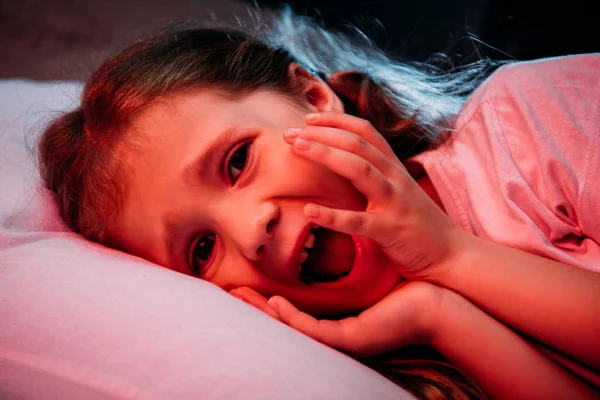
(549, 118)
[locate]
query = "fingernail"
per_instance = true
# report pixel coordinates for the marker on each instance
(292, 133)
(312, 117)
(273, 304)
(311, 210)
(301, 144)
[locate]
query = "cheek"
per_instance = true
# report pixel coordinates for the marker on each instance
(333, 189)
(341, 191)
(233, 274)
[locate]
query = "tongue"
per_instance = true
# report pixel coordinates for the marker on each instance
(332, 255)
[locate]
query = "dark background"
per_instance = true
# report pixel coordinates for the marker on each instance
(67, 39)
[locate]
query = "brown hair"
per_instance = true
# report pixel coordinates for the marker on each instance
(80, 153)
(425, 373)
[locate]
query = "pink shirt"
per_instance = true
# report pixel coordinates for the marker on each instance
(522, 167)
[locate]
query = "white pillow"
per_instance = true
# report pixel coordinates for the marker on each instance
(79, 321)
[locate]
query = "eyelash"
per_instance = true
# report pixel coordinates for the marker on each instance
(248, 144)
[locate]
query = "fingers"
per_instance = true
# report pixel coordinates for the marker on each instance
(255, 299)
(359, 126)
(345, 334)
(279, 308)
(346, 221)
(345, 140)
(364, 176)
(378, 329)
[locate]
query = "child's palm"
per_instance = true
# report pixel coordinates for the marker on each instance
(403, 317)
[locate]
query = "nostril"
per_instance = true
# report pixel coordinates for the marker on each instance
(270, 226)
(260, 249)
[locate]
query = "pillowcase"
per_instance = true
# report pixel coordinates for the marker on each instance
(81, 321)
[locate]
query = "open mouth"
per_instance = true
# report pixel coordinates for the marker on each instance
(328, 256)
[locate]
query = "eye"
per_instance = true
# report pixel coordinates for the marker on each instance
(201, 253)
(238, 161)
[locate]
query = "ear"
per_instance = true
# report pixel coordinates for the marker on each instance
(348, 83)
(318, 95)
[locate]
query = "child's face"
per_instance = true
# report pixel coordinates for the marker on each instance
(242, 198)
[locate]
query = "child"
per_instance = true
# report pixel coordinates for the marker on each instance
(448, 222)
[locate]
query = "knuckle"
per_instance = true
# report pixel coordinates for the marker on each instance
(387, 189)
(292, 321)
(402, 184)
(366, 124)
(367, 168)
(299, 322)
(358, 143)
(356, 222)
(329, 217)
(324, 151)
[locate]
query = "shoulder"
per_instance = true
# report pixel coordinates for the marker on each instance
(572, 70)
(545, 115)
(558, 76)
(551, 96)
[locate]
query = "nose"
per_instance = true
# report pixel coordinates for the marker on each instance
(260, 231)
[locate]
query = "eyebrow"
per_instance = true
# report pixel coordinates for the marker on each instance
(207, 158)
(201, 166)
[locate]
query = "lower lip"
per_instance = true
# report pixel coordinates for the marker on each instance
(360, 258)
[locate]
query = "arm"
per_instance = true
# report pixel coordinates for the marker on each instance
(546, 114)
(502, 363)
(553, 302)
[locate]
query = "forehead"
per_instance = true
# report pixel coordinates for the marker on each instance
(168, 117)
(190, 118)
(162, 118)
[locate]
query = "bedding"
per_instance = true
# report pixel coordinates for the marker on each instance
(79, 321)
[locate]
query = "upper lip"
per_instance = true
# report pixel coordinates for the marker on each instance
(299, 246)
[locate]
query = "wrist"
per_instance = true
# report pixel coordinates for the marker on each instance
(433, 314)
(443, 316)
(444, 272)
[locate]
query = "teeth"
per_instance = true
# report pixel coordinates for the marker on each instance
(308, 244)
(310, 240)
(303, 256)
